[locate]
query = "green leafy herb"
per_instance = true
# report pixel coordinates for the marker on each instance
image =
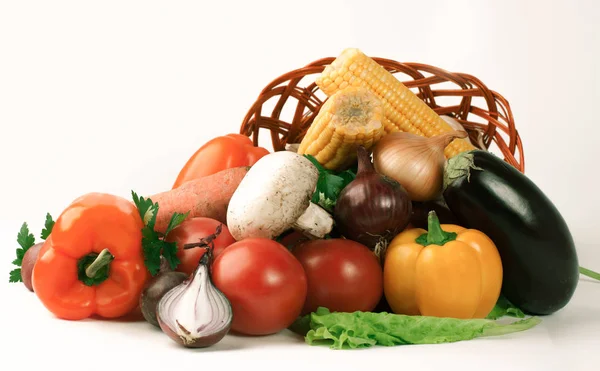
(152, 249)
(48, 225)
(348, 176)
(15, 276)
(146, 208)
(324, 201)
(316, 163)
(366, 329)
(329, 185)
(169, 252)
(25, 239)
(505, 308)
(176, 219)
(154, 244)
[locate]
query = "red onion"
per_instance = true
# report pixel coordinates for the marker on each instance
(155, 289)
(373, 208)
(195, 313)
(28, 263)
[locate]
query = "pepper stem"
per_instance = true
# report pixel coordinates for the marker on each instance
(101, 261)
(435, 234)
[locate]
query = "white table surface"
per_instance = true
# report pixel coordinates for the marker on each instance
(567, 340)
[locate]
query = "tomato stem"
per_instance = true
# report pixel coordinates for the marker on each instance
(435, 234)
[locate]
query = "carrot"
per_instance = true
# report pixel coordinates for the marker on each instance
(207, 197)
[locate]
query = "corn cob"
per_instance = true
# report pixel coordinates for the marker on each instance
(349, 118)
(403, 110)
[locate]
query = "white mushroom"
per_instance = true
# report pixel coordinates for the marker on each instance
(274, 196)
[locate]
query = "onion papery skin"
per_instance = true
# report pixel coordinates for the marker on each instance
(373, 208)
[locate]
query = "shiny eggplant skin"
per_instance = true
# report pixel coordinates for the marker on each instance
(540, 264)
(421, 209)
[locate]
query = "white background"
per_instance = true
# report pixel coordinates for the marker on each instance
(112, 96)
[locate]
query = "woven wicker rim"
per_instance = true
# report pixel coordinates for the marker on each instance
(495, 122)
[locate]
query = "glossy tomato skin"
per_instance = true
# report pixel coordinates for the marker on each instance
(343, 275)
(265, 284)
(292, 239)
(192, 231)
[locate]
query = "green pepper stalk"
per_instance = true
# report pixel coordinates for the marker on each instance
(435, 234)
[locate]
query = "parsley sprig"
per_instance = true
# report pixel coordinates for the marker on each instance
(154, 244)
(26, 240)
(48, 225)
(329, 184)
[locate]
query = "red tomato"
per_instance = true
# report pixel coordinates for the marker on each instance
(343, 275)
(265, 284)
(293, 239)
(192, 231)
(220, 153)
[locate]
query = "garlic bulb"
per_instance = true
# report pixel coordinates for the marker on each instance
(414, 161)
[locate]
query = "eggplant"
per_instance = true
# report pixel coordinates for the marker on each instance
(421, 209)
(539, 260)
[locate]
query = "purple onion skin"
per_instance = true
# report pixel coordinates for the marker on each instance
(154, 290)
(201, 342)
(28, 263)
(373, 208)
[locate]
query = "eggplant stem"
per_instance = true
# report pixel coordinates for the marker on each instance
(589, 273)
(101, 261)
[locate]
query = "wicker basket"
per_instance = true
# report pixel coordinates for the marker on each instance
(485, 114)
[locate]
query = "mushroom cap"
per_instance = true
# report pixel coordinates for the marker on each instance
(272, 196)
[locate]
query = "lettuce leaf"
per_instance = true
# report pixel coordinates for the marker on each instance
(503, 308)
(366, 329)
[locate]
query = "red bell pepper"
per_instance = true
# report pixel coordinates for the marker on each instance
(220, 153)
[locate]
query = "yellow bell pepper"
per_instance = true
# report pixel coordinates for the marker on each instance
(447, 271)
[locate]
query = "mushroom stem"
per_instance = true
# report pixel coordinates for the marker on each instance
(315, 222)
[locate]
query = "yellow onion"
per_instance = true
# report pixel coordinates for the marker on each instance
(414, 161)
(455, 125)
